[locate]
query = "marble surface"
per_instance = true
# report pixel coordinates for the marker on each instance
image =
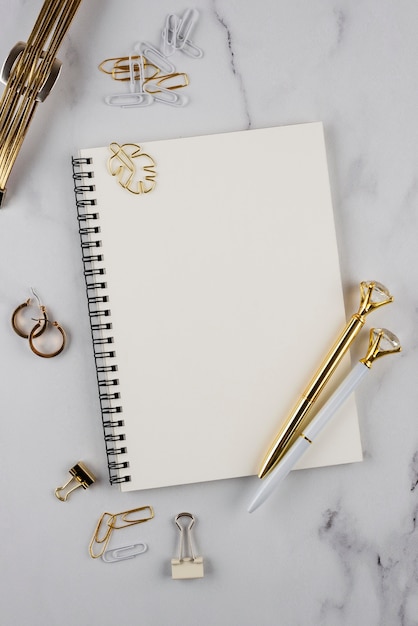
(337, 546)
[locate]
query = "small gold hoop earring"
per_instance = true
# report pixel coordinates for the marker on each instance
(41, 325)
(35, 333)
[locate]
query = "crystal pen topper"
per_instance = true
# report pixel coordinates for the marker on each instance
(372, 296)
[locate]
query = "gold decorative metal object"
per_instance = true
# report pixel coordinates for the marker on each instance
(29, 73)
(372, 296)
(133, 168)
(381, 343)
(80, 477)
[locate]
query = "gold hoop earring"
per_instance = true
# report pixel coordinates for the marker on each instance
(35, 333)
(41, 325)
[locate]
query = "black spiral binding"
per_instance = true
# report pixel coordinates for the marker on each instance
(100, 320)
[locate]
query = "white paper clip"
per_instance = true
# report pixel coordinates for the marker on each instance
(126, 100)
(169, 34)
(192, 50)
(124, 553)
(187, 21)
(176, 34)
(135, 97)
(155, 56)
(167, 96)
(190, 566)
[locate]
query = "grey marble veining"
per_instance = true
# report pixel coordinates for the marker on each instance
(238, 78)
(337, 546)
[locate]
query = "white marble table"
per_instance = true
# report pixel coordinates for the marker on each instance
(338, 546)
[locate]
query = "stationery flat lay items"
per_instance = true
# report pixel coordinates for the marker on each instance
(381, 343)
(373, 295)
(213, 284)
(151, 73)
(108, 523)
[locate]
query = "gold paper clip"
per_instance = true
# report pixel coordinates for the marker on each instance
(114, 521)
(190, 566)
(119, 68)
(80, 476)
(176, 80)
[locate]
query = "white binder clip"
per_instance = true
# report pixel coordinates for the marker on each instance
(190, 566)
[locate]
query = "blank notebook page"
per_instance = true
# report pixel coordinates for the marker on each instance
(225, 294)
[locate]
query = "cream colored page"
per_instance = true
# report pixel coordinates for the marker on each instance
(225, 294)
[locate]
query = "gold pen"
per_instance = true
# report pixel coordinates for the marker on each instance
(372, 296)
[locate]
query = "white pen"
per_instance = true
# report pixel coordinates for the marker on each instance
(381, 342)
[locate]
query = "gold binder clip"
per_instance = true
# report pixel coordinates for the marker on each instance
(80, 477)
(190, 566)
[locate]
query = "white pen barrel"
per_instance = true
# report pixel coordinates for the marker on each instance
(300, 446)
(288, 462)
(279, 473)
(336, 400)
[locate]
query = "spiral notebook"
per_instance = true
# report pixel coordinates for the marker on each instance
(213, 290)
